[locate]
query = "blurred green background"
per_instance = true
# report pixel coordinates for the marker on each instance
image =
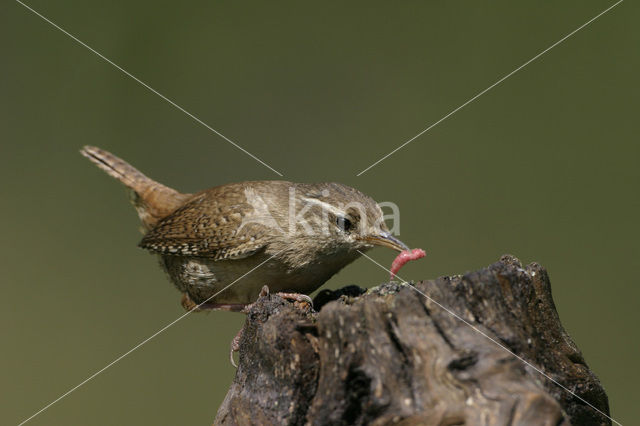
(544, 166)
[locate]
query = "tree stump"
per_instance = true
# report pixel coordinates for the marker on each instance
(393, 356)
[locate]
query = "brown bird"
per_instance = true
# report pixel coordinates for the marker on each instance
(221, 246)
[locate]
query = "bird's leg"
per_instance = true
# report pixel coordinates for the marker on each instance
(190, 305)
(299, 300)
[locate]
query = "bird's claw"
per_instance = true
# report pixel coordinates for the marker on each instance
(301, 301)
(235, 346)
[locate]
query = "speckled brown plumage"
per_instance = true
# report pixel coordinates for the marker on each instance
(214, 239)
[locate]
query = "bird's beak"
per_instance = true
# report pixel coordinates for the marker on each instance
(387, 240)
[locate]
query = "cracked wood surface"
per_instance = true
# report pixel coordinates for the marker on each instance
(391, 356)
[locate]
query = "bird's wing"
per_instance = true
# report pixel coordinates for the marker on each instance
(208, 227)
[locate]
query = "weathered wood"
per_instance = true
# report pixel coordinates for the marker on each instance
(392, 355)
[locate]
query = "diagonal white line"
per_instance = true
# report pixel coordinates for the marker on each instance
(492, 86)
(449, 311)
(127, 73)
(140, 344)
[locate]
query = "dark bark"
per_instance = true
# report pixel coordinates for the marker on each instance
(392, 355)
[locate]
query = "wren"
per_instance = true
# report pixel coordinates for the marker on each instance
(221, 246)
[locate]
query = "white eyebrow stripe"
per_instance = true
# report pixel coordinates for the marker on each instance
(324, 205)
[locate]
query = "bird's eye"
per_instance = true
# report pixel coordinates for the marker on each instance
(343, 223)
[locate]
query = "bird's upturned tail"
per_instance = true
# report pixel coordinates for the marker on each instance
(153, 200)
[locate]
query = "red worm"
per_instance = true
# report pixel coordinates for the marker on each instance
(403, 258)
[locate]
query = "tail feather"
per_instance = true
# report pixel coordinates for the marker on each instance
(117, 168)
(153, 200)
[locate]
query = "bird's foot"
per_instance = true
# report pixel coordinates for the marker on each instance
(300, 301)
(188, 304)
